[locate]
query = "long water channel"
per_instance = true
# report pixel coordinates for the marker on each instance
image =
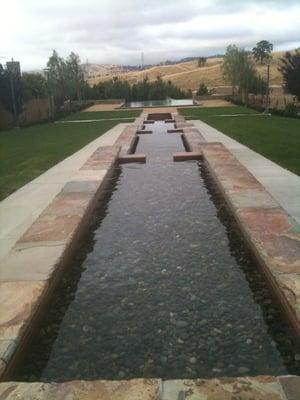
(162, 287)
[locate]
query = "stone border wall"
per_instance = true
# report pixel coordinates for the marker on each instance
(256, 388)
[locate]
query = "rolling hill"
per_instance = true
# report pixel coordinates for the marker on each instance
(187, 75)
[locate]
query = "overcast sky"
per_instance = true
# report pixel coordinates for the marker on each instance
(117, 31)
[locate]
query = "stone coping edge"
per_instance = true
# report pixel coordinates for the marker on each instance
(244, 388)
(270, 233)
(128, 139)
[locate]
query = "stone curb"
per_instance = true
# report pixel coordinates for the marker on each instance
(246, 388)
(128, 139)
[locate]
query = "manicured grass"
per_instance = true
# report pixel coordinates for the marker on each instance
(103, 115)
(197, 112)
(28, 152)
(277, 138)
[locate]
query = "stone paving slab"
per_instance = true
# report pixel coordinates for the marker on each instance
(81, 186)
(184, 124)
(127, 139)
(246, 388)
(192, 139)
(88, 175)
(5, 245)
(29, 262)
(253, 198)
(102, 157)
(135, 389)
(23, 214)
(59, 221)
(178, 117)
(18, 301)
(259, 388)
(290, 386)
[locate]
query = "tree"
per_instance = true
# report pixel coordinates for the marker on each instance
(7, 80)
(56, 76)
(65, 78)
(230, 66)
(262, 51)
(140, 91)
(74, 77)
(34, 86)
(239, 70)
(158, 89)
(4, 88)
(290, 69)
(201, 61)
(202, 90)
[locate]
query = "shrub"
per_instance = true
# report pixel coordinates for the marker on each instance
(291, 109)
(203, 90)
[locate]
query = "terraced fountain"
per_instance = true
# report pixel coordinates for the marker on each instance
(164, 285)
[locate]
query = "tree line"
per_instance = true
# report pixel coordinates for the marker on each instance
(239, 70)
(141, 91)
(63, 79)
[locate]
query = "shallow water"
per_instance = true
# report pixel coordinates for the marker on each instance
(163, 286)
(160, 103)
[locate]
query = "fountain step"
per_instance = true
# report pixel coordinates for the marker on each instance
(129, 158)
(185, 156)
(143, 131)
(175, 130)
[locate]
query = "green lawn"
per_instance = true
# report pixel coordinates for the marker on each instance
(28, 152)
(277, 138)
(103, 115)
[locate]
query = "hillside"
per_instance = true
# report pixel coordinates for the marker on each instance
(188, 75)
(100, 71)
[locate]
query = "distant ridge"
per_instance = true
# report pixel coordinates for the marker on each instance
(185, 73)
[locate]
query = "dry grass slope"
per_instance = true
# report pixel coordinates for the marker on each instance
(188, 75)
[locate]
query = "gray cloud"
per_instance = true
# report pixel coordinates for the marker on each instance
(116, 31)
